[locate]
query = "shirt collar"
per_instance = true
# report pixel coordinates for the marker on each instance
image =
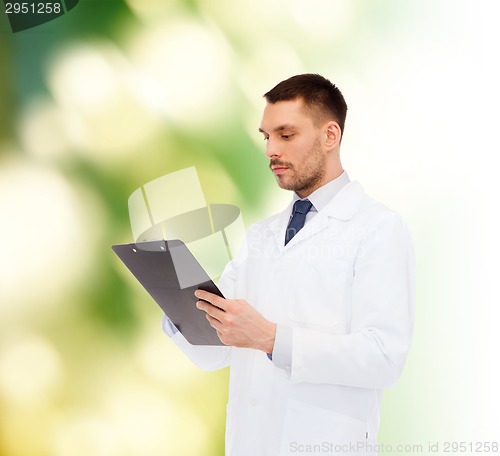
(323, 195)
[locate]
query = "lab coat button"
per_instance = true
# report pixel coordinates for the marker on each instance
(254, 402)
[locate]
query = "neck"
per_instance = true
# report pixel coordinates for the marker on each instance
(330, 175)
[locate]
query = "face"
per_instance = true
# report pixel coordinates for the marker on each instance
(297, 155)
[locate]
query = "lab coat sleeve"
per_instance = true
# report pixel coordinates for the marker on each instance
(204, 356)
(282, 350)
(373, 352)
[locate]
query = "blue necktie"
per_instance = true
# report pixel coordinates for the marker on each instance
(300, 210)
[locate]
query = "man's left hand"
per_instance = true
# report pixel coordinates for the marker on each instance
(237, 323)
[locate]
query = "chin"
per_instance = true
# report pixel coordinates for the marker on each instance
(284, 184)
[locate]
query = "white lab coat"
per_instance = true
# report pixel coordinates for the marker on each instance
(345, 284)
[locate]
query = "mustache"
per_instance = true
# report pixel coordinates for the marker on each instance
(275, 162)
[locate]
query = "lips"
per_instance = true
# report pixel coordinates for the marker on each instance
(278, 169)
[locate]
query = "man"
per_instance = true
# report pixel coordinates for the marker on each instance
(319, 304)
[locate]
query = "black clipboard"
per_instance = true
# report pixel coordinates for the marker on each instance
(171, 274)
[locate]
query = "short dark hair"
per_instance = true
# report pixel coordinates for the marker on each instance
(322, 98)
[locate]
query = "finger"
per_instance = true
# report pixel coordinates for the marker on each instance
(211, 298)
(211, 310)
(219, 334)
(214, 323)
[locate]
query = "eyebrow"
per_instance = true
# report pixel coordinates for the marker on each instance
(280, 128)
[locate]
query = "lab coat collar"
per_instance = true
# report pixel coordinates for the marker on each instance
(342, 207)
(345, 204)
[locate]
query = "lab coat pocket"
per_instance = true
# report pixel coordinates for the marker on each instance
(311, 429)
(325, 303)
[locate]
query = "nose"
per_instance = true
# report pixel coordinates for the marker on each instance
(271, 149)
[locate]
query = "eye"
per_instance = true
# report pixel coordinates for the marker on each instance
(287, 136)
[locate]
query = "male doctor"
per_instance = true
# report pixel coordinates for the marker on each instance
(319, 305)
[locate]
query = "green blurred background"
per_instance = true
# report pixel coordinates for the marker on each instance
(117, 93)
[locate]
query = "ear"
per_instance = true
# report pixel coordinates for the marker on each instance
(333, 134)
